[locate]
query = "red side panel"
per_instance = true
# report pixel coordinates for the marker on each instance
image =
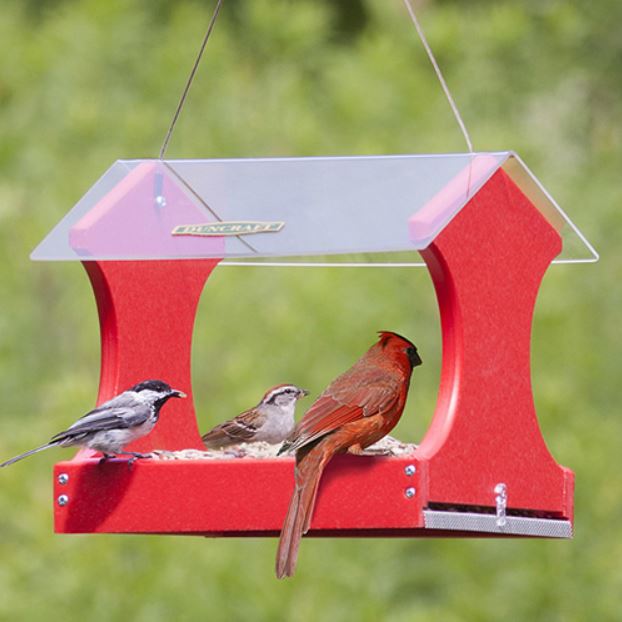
(129, 216)
(487, 266)
(146, 312)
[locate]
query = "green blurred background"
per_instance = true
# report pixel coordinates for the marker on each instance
(83, 83)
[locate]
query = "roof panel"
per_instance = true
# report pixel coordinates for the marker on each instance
(362, 209)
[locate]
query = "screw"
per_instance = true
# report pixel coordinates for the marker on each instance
(160, 201)
(410, 470)
(62, 500)
(410, 492)
(63, 478)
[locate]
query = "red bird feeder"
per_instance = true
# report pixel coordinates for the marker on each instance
(149, 234)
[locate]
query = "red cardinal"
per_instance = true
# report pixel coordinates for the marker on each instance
(357, 409)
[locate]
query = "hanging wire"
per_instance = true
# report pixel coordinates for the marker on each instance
(422, 37)
(439, 75)
(182, 99)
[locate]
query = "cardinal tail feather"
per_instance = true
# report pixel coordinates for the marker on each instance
(308, 474)
(308, 508)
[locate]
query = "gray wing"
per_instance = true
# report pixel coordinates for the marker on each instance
(124, 400)
(107, 418)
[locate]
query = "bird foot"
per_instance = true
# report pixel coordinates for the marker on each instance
(135, 456)
(105, 457)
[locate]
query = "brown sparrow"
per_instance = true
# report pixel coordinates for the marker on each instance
(271, 421)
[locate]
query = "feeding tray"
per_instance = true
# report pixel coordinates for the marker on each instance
(149, 234)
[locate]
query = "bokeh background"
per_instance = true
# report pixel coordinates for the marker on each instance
(85, 82)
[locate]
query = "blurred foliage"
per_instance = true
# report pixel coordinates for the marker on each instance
(83, 83)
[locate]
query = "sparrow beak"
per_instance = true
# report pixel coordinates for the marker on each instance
(176, 393)
(304, 392)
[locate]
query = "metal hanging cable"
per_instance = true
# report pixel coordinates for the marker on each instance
(418, 28)
(182, 99)
(439, 74)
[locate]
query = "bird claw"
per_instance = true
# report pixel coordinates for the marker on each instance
(135, 456)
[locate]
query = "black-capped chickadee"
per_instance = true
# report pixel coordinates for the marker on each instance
(116, 423)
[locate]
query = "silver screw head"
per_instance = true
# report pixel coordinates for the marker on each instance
(62, 500)
(410, 492)
(63, 478)
(410, 470)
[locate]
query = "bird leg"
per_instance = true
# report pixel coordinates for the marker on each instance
(105, 457)
(357, 450)
(135, 456)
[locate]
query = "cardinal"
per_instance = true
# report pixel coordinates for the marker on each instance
(356, 410)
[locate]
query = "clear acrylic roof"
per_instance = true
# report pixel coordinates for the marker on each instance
(287, 211)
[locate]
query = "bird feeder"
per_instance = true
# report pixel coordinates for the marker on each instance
(150, 233)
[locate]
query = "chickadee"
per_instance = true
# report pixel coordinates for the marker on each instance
(116, 423)
(272, 420)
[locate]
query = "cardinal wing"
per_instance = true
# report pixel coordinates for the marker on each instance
(356, 394)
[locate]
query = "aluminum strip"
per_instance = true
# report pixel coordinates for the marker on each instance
(487, 523)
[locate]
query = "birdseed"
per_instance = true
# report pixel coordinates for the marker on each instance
(266, 450)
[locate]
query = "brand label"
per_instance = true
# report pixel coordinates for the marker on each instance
(238, 227)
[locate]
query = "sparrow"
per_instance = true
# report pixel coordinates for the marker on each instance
(272, 420)
(356, 410)
(116, 423)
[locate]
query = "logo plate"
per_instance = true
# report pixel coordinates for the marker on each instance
(237, 227)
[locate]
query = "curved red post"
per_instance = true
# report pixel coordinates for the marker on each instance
(146, 312)
(487, 266)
